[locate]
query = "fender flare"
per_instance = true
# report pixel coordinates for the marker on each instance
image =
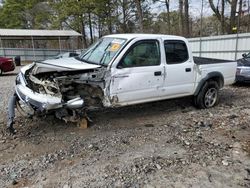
(216, 76)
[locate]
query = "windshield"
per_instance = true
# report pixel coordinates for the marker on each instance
(103, 50)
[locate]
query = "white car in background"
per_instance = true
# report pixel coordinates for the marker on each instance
(243, 69)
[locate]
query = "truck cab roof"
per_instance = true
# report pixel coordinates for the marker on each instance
(130, 36)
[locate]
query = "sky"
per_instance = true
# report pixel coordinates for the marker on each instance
(194, 7)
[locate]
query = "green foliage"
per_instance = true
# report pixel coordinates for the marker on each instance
(95, 18)
(161, 26)
(24, 14)
(12, 15)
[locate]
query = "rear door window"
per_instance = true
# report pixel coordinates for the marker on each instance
(176, 51)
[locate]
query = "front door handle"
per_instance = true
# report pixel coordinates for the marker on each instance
(188, 69)
(157, 73)
(121, 76)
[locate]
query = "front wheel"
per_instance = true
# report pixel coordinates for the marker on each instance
(208, 95)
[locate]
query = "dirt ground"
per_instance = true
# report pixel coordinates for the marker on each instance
(162, 144)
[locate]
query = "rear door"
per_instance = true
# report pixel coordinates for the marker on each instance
(180, 74)
(139, 75)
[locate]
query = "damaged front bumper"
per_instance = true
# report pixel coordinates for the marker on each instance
(41, 102)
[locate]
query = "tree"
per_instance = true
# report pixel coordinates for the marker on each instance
(106, 12)
(167, 4)
(95, 18)
(184, 17)
(126, 20)
(140, 14)
(168, 15)
(226, 24)
(11, 15)
(161, 25)
(181, 17)
(25, 14)
(73, 14)
(210, 26)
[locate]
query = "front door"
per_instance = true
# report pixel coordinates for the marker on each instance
(139, 75)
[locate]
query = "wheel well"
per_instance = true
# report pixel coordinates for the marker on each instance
(217, 79)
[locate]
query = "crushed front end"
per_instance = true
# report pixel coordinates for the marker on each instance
(65, 90)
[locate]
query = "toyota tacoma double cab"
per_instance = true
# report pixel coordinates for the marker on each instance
(119, 70)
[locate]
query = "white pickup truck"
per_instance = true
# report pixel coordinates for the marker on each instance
(120, 70)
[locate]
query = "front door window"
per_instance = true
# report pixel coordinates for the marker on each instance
(143, 53)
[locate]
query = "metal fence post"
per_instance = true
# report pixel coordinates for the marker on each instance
(236, 46)
(33, 46)
(201, 28)
(2, 46)
(237, 35)
(60, 47)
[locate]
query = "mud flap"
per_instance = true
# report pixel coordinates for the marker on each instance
(11, 114)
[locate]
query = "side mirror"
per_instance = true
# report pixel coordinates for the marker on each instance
(119, 66)
(244, 55)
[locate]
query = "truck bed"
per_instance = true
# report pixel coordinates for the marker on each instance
(204, 60)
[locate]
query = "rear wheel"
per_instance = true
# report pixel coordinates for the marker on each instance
(208, 95)
(1, 71)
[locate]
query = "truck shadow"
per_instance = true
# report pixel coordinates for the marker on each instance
(154, 113)
(152, 108)
(9, 74)
(108, 119)
(242, 84)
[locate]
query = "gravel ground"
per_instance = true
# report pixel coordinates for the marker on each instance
(162, 144)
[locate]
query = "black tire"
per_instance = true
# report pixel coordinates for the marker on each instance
(208, 96)
(1, 71)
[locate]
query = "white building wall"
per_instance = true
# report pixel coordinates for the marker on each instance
(229, 47)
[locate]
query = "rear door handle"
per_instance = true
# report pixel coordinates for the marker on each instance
(188, 69)
(157, 73)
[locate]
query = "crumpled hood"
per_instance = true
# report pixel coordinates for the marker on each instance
(62, 64)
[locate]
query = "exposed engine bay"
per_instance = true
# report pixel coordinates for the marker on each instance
(87, 85)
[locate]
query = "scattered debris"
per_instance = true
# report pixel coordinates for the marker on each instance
(83, 123)
(225, 162)
(157, 145)
(14, 182)
(149, 125)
